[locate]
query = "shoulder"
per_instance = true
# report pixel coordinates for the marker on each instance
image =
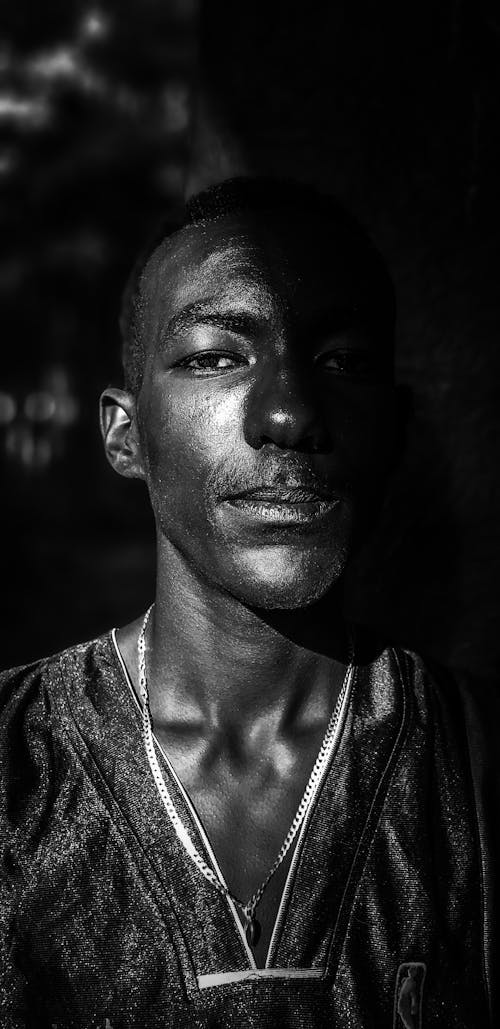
(25, 703)
(28, 688)
(445, 687)
(31, 751)
(454, 703)
(459, 707)
(457, 692)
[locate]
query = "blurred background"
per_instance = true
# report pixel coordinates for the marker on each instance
(109, 114)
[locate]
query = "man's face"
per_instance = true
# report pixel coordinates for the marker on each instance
(266, 411)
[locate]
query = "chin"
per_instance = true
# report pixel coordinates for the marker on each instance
(283, 581)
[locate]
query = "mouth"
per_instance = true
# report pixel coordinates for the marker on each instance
(284, 505)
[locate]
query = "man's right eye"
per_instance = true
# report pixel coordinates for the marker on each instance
(211, 362)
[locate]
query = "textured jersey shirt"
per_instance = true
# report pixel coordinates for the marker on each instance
(106, 922)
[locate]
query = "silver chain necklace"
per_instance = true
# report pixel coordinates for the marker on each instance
(252, 927)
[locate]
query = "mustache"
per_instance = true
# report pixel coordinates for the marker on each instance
(276, 475)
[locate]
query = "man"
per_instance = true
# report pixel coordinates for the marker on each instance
(238, 810)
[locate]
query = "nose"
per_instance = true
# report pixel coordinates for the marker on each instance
(285, 410)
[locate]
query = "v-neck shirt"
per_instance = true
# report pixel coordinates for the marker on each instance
(115, 926)
(290, 864)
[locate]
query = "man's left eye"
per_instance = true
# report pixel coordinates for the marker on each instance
(356, 363)
(212, 362)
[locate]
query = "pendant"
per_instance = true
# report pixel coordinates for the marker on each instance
(252, 932)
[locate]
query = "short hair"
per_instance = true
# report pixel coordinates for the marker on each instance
(259, 196)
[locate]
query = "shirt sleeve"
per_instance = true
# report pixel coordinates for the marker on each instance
(26, 783)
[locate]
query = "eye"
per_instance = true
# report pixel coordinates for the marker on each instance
(212, 362)
(353, 363)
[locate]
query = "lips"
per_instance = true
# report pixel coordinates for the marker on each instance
(284, 506)
(283, 495)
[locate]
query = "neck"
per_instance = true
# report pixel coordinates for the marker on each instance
(212, 659)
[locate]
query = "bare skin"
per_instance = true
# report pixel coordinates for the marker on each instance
(247, 649)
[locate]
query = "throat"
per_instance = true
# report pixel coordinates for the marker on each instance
(211, 657)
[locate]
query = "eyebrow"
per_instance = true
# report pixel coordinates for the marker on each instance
(239, 322)
(336, 318)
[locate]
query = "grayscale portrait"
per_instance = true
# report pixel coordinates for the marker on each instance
(249, 769)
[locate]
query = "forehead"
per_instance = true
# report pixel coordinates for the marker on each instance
(289, 261)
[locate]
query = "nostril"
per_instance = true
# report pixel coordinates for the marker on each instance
(286, 411)
(287, 432)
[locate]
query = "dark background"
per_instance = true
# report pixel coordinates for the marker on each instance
(109, 113)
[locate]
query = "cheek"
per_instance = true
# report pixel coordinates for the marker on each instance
(369, 435)
(190, 433)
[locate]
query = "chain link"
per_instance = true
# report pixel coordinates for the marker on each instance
(182, 833)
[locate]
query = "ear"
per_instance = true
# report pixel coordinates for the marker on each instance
(118, 419)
